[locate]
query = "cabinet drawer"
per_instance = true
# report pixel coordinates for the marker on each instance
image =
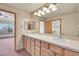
(71, 53)
(44, 44)
(32, 46)
(56, 49)
(37, 51)
(37, 43)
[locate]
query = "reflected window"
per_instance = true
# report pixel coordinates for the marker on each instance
(41, 26)
(56, 27)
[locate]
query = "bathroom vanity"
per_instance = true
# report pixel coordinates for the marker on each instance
(47, 45)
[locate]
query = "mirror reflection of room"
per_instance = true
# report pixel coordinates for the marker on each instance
(51, 26)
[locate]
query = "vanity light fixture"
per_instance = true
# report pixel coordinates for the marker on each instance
(52, 7)
(46, 9)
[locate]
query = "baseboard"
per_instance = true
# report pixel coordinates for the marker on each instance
(6, 37)
(24, 50)
(19, 50)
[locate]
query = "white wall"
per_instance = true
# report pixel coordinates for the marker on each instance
(20, 17)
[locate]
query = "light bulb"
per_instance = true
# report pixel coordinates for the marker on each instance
(39, 11)
(54, 8)
(43, 13)
(47, 11)
(39, 14)
(51, 6)
(44, 9)
(35, 13)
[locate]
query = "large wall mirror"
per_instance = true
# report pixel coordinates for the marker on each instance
(52, 26)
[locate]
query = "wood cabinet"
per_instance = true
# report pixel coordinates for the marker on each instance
(44, 44)
(28, 45)
(32, 47)
(46, 52)
(43, 51)
(71, 53)
(37, 43)
(37, 47)
(49, 53)
(37, 51)
(24, 42)
(56, 49)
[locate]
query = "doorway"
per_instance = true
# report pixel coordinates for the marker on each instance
(8, 28)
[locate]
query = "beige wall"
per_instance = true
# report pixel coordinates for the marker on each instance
(69, 25)
(20, 17)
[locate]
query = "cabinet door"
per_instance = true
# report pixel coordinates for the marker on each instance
(37, 48)
(24, 42)
(49, 53)
(71, 53)
(44, 44)
(56, 49)
(28, 45)
(37, 51)
(37, 43)
(32, 46)
(43, 51)
(46, 52)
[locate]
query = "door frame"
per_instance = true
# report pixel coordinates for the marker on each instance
(14, 26)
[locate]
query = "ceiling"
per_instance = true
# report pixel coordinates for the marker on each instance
(62, 8)
(28, 7)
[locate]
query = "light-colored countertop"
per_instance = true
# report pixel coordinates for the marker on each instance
(64, 43)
